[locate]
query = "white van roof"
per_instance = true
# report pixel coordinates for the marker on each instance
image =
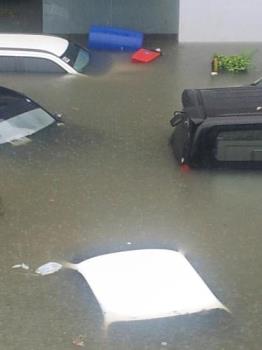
(48, 43)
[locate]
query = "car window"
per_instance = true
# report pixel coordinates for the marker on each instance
(77, 57)
(24, 124)
(12, 104)
(29, 65)
(82, 60)
(20, 117)
(9, 64)
(39, 65)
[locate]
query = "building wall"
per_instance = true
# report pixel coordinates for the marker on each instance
(76, 16)
(15, 17)
(220, 21)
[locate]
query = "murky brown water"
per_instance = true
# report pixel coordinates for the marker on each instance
(107, 178)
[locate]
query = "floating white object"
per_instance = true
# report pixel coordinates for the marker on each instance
(22, 266)
(48, 268)
(146, 284)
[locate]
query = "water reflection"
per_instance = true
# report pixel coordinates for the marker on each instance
(2, 211)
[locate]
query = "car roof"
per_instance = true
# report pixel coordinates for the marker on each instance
(214, 102)
(48, 43)
(9, 92)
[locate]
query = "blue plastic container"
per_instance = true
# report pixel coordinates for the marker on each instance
(109, 38)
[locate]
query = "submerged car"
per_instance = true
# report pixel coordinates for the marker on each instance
(20, 117)
(219, 127)
(36, 53)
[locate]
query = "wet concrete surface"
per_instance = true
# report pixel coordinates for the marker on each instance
(108, 177)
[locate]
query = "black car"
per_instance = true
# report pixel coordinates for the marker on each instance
(219, 127)
(20, 117)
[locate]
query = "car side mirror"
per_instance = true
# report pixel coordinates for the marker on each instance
(58, 117)
(177, 118)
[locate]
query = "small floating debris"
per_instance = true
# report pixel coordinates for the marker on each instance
(21, 141)
(21, 266)
(75, 108)
(48, 268)
(79, 341)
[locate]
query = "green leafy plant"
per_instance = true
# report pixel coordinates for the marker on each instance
(235, 63)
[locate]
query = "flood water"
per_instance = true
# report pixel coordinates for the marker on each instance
(107, 181)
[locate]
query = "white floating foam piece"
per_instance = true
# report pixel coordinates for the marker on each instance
(22, 266)
(146, 284)
(48, 268)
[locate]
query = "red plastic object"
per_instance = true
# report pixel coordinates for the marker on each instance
(185, 168)
(145, 56)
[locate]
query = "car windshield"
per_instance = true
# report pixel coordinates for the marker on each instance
(77, 57)
(20, 117)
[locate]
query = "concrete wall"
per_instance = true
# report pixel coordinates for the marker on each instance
(220, 21)
(76, 16)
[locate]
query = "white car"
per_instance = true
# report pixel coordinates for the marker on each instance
(36, 53)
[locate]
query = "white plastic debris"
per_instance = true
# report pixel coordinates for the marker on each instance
(143, 284)
(22, 266)
(163, 343)
(79, 341)
(49, 268)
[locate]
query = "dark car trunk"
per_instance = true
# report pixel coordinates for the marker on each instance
(219, 127)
